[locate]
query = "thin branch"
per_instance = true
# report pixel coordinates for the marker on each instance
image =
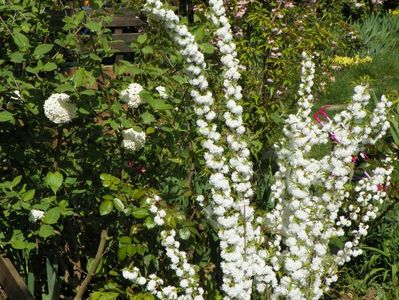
(100, 252)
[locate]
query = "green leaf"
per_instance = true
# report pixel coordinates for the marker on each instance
(54, 180)
(150, 130)
(147, 117)
(42, 49)
(79, 77)
(48, 67)
(94, 26)
(20, 40)
(106, 207)
(18, 244)
(158, 104)
(46, 230)
(28, 195)
(110, 181)
(15, 181)
(140, 213)
(51, 216)
(6, 116)
(149, 223)
(122, 253)
(184, 233)
(142, 38)
(207, 48)
(125, 240)
(118, 204)
(147, 50)
(17, 57)
(66, 87)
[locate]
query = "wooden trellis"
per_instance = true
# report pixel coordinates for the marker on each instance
(11, 282)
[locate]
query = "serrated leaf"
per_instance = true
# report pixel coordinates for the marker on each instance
(52, 215)
(54, 180)
(17, 57)
(42, 49)
(20, 40)
(46, 230)
(94, 26)
(106, 207)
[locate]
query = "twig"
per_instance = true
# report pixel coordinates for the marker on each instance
(100, 252)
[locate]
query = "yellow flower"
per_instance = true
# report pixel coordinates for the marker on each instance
(346, 61)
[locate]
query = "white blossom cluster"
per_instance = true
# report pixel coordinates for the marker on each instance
(133, 140)
(370, 194)
(231, 171)
(311, 194)
(187, 274)
(36, 215)
(131, 95)
(59, 109)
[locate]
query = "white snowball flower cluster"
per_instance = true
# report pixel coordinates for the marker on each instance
(186, 273)
(36, 215)
(59, 109)
(133, 140)
(312, 201)
(131, 95)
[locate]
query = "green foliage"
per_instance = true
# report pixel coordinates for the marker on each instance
(80, 176)
(379, 33)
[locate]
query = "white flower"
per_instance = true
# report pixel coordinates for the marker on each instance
(162, 92)
(59, 109)
(132, 95)
(129, 275)
(35, 215)
(133, 140)
(158, 220)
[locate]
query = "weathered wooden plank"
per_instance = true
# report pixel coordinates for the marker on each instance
(125, 21)
(120, 46)
(126, 37)
(11, 282)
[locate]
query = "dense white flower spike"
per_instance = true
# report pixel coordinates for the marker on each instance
(133, 140)
(188, 287)
(59, 109)
(230, 168)
(132, 95)
(309, 192)
(313, 202)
